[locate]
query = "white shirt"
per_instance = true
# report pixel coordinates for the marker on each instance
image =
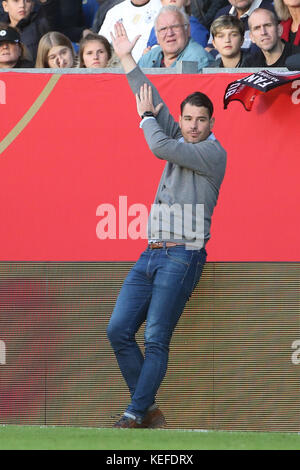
(253, 6)
(136, 19)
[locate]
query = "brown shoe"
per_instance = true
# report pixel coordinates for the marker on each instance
(126, 422)
(154, 419)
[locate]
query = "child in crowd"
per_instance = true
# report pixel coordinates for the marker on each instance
(96, 52)
(198, 32)
(32, 24)
(228, 35)
(13, 54)
(55, 51)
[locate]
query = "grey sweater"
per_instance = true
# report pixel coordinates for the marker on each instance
(191, 178)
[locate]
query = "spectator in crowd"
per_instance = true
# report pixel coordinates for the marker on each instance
(55, 51)
(205, 10)
(105, 5)
(32, 23)
(13, 54)
(70, 19)
(3, 15)
(288, 11)
(265, 32)
(95, 51)
(228, 35)
(198, 32)
(242, 9)
(175, 44)
(138, 18)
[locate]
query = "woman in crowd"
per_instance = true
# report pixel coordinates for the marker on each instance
(13, 53)
(95, 52)
(288, 11)
(55, 51)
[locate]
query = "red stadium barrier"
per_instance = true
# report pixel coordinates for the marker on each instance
(71, 147)
(80, 146)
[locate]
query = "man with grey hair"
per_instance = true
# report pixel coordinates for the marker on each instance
(265, 32)
(172, 29)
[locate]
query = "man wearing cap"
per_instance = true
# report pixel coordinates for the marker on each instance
(13, 53)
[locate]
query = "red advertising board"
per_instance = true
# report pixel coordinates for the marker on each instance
(71, 145)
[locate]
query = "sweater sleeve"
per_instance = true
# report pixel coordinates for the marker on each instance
(136, 79)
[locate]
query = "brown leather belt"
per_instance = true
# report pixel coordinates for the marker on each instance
(156, 245)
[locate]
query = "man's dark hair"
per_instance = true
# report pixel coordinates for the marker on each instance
(198, 99)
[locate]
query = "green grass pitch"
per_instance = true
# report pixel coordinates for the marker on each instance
(72, 438)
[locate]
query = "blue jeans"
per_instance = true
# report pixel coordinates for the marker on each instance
(156, 291)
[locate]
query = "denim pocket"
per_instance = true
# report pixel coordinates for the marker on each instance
(180, 255)
(179, 264)
(199, 268)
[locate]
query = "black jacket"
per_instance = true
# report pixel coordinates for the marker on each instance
(205, 10)
(242, 63)
(39, 22)
(23, 64)
(259, 60)
(70, 19)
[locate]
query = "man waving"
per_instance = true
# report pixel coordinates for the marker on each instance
(162, 280)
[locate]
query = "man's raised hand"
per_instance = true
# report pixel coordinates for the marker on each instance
(144, 101)
(121, 44)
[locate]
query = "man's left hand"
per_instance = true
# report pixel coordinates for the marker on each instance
(144, 101)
